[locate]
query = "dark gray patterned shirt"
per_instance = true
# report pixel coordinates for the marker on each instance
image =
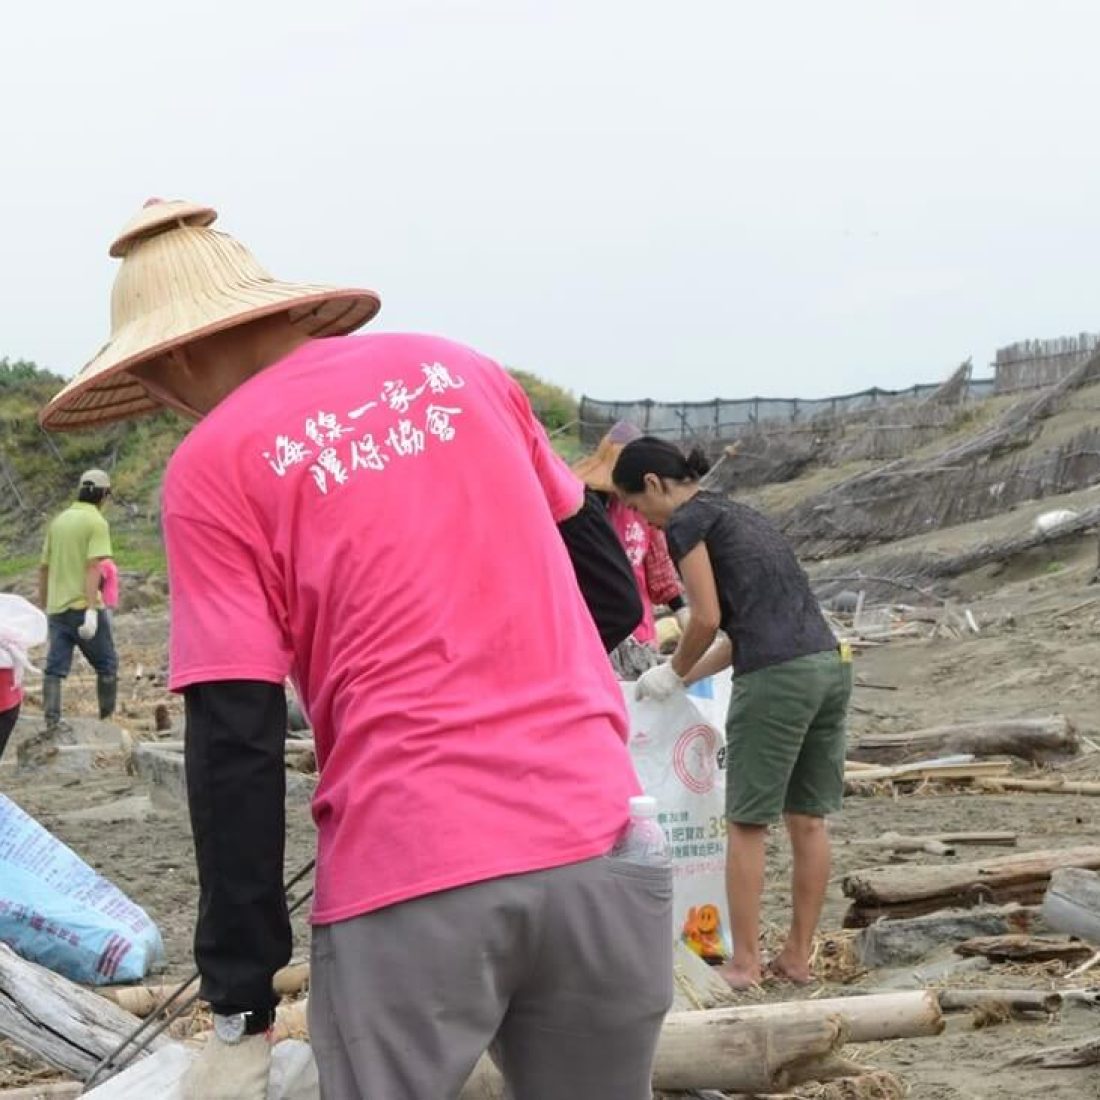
(768, 609)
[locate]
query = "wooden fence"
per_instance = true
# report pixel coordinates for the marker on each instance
(1032, 364)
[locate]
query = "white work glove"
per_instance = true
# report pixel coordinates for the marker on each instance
(230, 1071)
(88, 628)
(661, 682)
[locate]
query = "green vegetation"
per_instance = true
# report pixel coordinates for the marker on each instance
(39, 471)
(557, 409)
(12, 566)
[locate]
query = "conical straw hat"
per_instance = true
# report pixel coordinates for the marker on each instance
(595, 470)
(181, 280)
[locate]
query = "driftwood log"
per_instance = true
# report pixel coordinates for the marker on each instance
(1069, 1057)
(66, 1026)
(914, 889)
(1036, 740)
(793, 1052)
(1023, 948)
(764, 1048)
(1006, 549)
(757, 1048)
(1018, 1001)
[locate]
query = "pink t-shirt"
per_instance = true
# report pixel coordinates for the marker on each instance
(647, 553)
(375, 516)
(633, 532)
(10, 694)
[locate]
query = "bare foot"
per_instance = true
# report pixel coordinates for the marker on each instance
(740, 978)
(783, 970)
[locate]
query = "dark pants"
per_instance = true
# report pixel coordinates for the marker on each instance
(98, 651)
(8, 718)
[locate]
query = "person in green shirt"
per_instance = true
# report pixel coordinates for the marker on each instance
(77, 542)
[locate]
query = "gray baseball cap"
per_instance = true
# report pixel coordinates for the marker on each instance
(97, 479)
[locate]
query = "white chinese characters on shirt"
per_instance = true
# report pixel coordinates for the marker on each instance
(336, 452)
(636, 543)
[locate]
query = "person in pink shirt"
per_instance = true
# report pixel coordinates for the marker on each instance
(382, 519)
(646, 549)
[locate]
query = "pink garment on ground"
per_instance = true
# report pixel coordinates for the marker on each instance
(376, 515)
(648, 556)
(108, 573)
(10, 695)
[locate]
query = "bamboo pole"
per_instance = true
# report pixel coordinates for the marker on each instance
(1048, 786)
(143, 1000)
(921, 771)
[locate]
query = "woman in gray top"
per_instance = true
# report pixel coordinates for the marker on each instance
(786, 727)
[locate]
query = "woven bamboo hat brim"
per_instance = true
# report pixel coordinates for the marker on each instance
(179, 281)
(595, 470)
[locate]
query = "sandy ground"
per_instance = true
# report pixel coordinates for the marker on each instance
(1038, 653)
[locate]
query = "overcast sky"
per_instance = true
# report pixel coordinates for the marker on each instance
(678, 200)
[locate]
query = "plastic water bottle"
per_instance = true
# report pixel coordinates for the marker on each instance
(643, 840)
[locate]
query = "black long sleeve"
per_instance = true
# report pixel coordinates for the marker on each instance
(603, 572)
(236, 789)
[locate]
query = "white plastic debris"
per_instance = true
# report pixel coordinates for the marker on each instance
(293, 1075)
(1050, 521)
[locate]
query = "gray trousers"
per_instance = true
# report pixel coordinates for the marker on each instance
(566, 973)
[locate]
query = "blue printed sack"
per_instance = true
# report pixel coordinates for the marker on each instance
(58, 912)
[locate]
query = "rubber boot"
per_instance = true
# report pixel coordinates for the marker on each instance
(106, 689)
(51, 701)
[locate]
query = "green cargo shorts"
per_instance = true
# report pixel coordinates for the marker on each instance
(786, 739)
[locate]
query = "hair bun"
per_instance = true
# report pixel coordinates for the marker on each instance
(697, 461)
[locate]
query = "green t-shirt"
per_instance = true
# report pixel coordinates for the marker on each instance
(77, 536)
